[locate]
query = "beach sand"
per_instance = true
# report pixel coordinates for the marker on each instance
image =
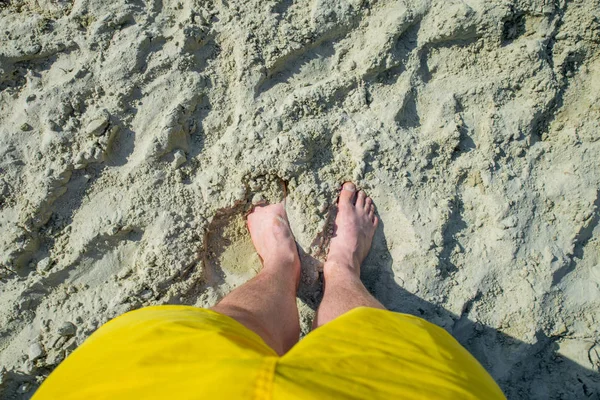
(135, 135)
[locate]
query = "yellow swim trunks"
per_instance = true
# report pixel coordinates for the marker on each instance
(182, 352)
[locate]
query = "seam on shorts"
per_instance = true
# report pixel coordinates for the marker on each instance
(264, 380)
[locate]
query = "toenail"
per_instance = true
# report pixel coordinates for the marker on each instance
(349, 187)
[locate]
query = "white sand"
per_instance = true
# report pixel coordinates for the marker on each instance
(134, 135)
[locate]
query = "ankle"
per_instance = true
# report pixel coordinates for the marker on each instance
(335, 269)
(285, 260)
(342, 258)
(282, 268)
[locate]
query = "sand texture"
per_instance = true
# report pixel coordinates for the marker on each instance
(135, 135)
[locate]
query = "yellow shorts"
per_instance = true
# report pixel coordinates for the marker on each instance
(182, 352)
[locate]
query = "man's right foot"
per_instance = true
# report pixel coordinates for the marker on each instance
(353, 232)
(272, 237)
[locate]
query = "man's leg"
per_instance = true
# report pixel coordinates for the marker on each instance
(267, 303)
(355, 225)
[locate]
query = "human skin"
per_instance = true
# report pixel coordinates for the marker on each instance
(267, 303)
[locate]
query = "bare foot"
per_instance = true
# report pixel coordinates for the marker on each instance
(354, 228)
(273, 239)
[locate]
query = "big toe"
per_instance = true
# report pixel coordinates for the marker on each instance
(263, 212)
(348, 193)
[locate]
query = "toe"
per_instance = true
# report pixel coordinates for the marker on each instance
(347, 194)
(371, 212)
(375, 222)
(368, 204)
(360, 199)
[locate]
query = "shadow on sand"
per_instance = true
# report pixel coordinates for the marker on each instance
(523, 370)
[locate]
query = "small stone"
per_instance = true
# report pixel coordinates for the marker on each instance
(26, 127)
(254, 185)
(58, 342)
(35, 351)
(27, 367)
(548, 9)
(70, 344)
(97, 127)
(178, 159)
(55, 357)
(359, 171)
(67, 329)
(258, 198)
(323, 207)
(81, 73)
(24, 388)
(44, 264)
(239, 193)
(146, 294)
(509, 222)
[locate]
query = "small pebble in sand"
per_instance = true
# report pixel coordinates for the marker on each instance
(258, 198)
(24, 388)
(97, 126)
(67, 329)
(44, 264)
(70, 344)
(178, 159)
(146, 294)
(35, 351)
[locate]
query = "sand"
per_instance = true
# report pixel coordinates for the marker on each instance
(135, 135)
